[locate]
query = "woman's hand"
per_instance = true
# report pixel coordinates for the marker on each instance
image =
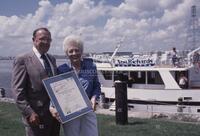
(93, 101)
(54, 113)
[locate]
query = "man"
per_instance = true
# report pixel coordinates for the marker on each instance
(31, 97)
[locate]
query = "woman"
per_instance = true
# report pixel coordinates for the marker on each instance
(85, 125)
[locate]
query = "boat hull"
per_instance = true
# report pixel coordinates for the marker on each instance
(157, 96)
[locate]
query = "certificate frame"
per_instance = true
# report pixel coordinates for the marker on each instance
(58, 91)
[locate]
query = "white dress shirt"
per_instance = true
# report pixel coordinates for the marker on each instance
(38, 55)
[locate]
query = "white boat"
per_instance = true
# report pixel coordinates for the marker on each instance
(155, 79)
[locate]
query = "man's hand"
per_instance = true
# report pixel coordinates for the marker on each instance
(54, 113)
(34, 119)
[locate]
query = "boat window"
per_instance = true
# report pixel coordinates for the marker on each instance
(138, 77)
(154, 77)
(107, 75)
(121, 75)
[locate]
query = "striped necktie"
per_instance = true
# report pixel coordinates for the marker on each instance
(47, 65)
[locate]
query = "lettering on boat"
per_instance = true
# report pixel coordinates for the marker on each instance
(134, 62)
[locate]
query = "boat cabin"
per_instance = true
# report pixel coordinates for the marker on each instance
(142, 77)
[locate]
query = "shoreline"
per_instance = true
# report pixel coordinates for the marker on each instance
(7, 100)
(174, 117)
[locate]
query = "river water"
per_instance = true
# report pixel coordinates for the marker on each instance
(6, 72)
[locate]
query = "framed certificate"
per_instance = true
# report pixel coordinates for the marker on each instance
(68, 96)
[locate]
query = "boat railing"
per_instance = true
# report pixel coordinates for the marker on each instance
(180, 63)
(184, 60)
(191, 54)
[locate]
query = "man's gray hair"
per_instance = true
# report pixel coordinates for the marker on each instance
(70, 40)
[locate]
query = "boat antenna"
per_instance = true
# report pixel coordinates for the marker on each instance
(116, 49)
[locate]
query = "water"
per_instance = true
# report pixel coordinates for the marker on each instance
(6, 73)
(5, 76)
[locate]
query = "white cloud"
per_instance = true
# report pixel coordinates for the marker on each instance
(145, 24)
(169, 3)
(176, 14)
(44, 11)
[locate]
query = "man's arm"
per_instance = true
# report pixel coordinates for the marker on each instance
(19, 86)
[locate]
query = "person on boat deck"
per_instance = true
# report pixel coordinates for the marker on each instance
(183, 81)
(130, 81)
(85, 125)
(174, 56)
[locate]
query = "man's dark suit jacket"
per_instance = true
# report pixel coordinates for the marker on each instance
(27, 86)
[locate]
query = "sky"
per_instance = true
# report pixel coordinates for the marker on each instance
(144, 25)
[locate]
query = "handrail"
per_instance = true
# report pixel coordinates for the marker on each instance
(189, 55)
